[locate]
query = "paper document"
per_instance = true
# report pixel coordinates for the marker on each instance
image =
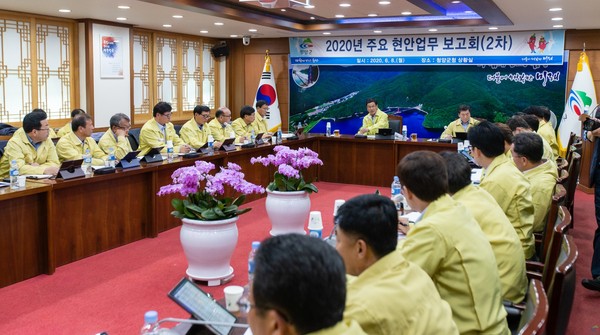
(476, 175)
(412, 216)
(38, 176)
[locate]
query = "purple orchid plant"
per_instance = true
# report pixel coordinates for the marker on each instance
(290, 163)
(205, 203)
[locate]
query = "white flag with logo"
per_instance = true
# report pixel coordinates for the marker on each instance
(582, 99)
(266, 91)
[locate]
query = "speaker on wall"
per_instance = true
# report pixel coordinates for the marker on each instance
(220, 50)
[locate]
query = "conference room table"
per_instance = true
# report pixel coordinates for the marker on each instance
(51, 223)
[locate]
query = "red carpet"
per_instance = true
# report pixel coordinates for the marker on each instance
(111, 291)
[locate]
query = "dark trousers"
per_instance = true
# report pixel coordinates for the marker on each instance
(596, 256)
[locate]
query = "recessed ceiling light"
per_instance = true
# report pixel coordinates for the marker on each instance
(177, 16)
(384, 2)
(455, 1)
(377, 31)
(64, 10)
(252, 30)
(555, 9)
(406, 13)
(121, 19)
(312, 17)
(167, 25)
(309, 6)
(432, 29)
(339, 16)
(469, 12)
(233, 36)
(203, 31)
(123, 7)
(283, 10)
(326, 33)
(493, 28)
(557, 26)
(557, 19)
(345, 5)
(372, 15)
(218, 23)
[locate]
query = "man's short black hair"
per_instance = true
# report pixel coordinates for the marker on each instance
(532, 120)
(200, 109)
(260, 103)
(246, 110)
(302, 278)
(506, 132)
(76, 112)
(530, 146)
(80, 121)
(115, 120)
(462, 108)
(539, 111)
(372, 218)
(371, 100)
(517, 121)
(459, 171)
(34, 120)
(488, 138)
(424, 174)
(161, 108)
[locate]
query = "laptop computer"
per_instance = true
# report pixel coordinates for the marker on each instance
(384, 134)
(198, 303)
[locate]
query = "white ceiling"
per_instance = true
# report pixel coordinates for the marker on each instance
(525, 15)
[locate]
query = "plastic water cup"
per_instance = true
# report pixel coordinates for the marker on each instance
(21, 180)
(337, 204)
(274, 140)
(413, 137)
(233, 294)
(336, 133)
(315, 224)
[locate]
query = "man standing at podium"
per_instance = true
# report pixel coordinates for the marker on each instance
(373, 121)
(31, 147)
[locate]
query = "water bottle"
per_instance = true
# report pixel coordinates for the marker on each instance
(14, 175)
(232, 134)
(252, 137)
(87, 163)
(328, 129)
(112, 159)
(404, 133)
(279, 135)
(397, 196)
(211, 141)
(150, 326)
(169, 151)
(255, 246)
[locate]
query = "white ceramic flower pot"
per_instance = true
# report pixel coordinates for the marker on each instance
(208, 247)
(288, 211)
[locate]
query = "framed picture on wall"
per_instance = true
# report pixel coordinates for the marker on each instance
(111, 57)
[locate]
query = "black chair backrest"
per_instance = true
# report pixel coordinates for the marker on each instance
(574, 169)
(535, 315)
(554, 246)
(177, 128)
(571, 146)
(2, 146)
(562, 289)
(395, 126)
(134, 138)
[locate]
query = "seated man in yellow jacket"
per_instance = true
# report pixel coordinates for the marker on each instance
(195, 132)
(243, 126)
(299, 287)
(388, 295)
(260, 122)
(527, 150)
(448, 244)
(116, 136)
(157, 131)
(460, 125)
(31, 147)
(525, 124)
(374, 120)
(75, 144)
(503, 238)
(545, 128)
(504, 181)
(67, 127)
(220, 127)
